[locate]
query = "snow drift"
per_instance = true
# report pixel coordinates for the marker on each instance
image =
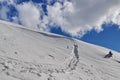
(33, 55)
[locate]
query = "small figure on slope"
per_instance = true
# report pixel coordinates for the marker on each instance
(109, 55)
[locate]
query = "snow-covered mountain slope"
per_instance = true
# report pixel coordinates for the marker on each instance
(32, 55)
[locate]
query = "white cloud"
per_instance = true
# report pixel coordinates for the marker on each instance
(114, 17)
(81, 16)
(74, 16)
(3, 12)
(29, 15)
(59, 13)
(55, 14)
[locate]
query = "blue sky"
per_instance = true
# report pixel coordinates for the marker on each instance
(93, 21)
(109, 38)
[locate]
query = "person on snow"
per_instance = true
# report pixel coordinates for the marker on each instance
(109, 55)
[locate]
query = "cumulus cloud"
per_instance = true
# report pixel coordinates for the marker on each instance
(3, 12)
(114, 17)
(29, 15)
(76, 17)
(91, 14)
(80, 16)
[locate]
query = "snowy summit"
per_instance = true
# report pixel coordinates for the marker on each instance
(33, 55)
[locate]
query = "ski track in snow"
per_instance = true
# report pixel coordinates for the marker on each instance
(14, 67)
(17, 69)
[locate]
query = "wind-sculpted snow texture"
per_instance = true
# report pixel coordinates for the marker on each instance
(33, 55)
